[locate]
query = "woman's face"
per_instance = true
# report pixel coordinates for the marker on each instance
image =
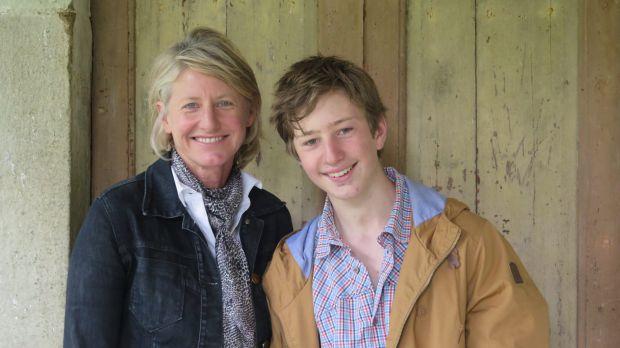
(207, 120)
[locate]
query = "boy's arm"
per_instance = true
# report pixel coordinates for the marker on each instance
(505, 309)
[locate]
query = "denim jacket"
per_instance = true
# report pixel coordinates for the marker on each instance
(141, 275)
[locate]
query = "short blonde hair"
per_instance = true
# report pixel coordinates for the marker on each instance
(211, 53)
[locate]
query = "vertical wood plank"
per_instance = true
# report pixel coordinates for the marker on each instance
(272, 35)
(112, 93)
(441, 97)
(341, 29)
(384, 60)
(599, 175)
(527, 113)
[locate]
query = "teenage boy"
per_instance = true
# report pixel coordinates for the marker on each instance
(389, 262)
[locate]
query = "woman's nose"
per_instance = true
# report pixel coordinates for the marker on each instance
(209, 120)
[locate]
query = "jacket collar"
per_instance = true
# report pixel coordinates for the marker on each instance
(430, 244)
(160, 193)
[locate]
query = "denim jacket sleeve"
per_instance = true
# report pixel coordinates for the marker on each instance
(96, 284)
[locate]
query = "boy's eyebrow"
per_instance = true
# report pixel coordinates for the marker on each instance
(331, 124)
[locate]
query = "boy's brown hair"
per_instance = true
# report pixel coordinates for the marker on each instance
(298, 91)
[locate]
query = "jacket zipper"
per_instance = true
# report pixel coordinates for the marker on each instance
(426, 283)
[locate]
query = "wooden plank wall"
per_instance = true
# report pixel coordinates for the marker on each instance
(599, 175)
(526, 126)
(441, 122)
(492, 121)
(482, 100)
(112, 93)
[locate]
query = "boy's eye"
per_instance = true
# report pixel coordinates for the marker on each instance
(345, 131)
(310, 142)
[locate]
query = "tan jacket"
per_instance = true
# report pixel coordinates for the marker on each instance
(461, 285)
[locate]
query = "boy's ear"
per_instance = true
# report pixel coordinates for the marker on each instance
(381, 133)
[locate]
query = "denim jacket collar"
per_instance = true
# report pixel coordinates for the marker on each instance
(160, 195)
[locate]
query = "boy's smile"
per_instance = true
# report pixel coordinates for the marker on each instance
(337, 149)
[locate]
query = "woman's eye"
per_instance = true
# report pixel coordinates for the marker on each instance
(224, 103)
(190, 106)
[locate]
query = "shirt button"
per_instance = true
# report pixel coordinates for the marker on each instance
(356, 270)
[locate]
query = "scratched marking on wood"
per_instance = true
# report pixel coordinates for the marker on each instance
(441, 97)
(527, 84)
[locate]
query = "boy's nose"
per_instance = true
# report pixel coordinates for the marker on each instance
(333, 151)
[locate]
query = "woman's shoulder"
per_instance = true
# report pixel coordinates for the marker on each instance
(264, 202)
(126, 189)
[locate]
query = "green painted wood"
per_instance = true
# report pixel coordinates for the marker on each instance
(341, 29)
(272, 35)
(441, 148)
(527, 113)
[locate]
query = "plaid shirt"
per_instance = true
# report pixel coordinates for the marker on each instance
(348, 311)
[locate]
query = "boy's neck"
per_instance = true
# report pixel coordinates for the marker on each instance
(368, 214)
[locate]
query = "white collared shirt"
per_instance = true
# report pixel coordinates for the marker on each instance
(192, 201)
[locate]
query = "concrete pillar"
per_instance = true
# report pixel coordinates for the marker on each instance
(44, 161)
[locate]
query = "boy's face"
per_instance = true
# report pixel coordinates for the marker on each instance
(337, 150)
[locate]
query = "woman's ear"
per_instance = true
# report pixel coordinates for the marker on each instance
(161, 113)
(251, 116)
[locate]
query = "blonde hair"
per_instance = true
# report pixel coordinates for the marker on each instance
(211, 53)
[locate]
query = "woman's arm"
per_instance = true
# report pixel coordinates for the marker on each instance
(95, 285)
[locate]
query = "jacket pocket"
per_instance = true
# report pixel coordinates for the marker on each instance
(157, 293)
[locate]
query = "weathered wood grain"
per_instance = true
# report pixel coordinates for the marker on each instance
(441, 134)
(527, 113)
(599, 176)
(384, 60)
(341, 29)
(112, 93)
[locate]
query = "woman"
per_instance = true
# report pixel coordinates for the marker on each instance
(174, 256)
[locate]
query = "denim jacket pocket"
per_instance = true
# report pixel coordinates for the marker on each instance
(157, 293)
